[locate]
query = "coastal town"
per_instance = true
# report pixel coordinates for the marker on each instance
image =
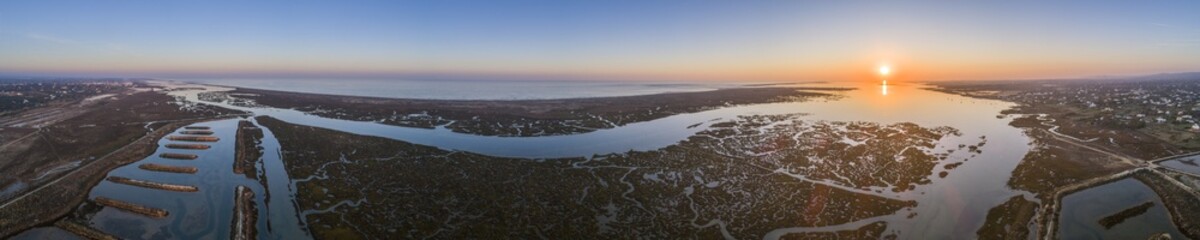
(1117, 112)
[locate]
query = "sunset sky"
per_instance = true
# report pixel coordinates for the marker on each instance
(600, 40)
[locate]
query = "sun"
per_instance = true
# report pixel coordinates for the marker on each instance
(884, 70)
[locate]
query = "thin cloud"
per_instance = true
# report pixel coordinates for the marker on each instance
(52, 39)
(1179, 43)
(106, 47)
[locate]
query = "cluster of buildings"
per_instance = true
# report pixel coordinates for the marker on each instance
(16, 95)
(1128, 104)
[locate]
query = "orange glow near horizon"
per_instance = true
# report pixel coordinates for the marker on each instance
(764, 41)
(790, 68)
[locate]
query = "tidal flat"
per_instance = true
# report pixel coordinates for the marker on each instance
(519, 118)
(789, 161)
(1089, 136)
(935, 175)
(743, 179)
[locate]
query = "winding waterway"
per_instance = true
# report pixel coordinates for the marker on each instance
(950, 207)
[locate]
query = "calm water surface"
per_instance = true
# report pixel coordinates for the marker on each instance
(465, 89)
(953, 207)
(208, 213)
(1081, 213)
(1186, 164)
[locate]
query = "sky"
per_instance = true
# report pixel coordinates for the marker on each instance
(599, 40)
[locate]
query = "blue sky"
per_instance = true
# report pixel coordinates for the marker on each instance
(659, 40)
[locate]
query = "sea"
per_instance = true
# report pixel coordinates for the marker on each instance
(469, 89)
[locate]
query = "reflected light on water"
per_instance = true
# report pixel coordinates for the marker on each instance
(884, 89)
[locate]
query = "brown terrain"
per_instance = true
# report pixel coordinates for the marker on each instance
(247, 151)
(523, 117)
(1055, 162)
(723, 181)
(56, 198)
(1138, 118)
(1180, 201)
(1086, 134)
(780, 179)
(60, 159)
(870, 231)
(1009, 220)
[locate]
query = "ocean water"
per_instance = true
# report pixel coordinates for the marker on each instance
(465, 89)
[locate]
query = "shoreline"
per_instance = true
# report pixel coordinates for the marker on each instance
(1138, 160)
(704, 87)
(519, 118)
(746, 86)
(601, 179)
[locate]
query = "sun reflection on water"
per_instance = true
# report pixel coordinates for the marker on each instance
(884, 89)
